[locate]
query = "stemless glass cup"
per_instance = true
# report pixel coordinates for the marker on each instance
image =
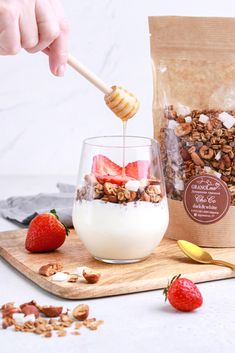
(120, 214)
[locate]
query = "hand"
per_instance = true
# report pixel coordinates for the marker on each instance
(35, 25)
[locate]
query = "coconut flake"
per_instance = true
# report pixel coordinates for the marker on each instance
(218, 155)
(182, 110)
(210, 171)
(79, 270)
(60, 277)
(30, 317)
(188, 119)
(229, 122)
(19, 318)
(132, 185)
(224, 116)
(172, 124)
(203, 118)
(179, 184)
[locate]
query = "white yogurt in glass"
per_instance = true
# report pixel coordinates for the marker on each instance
(118, 233)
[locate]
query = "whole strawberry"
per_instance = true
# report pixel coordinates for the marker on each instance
(45, 233)
(183, 294)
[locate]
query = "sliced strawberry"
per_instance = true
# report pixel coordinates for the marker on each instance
(138, 169)
(104, 166)
(114, 179)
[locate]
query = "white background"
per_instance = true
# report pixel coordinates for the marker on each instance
(44, 119)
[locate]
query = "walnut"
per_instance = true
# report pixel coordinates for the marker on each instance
(98, 191)
(50, 269)
(227, 149)
(145, 197)
(110, 189)
(227, 161)
(153, 189)
(111, 198)
(123, 195)
(197, 160)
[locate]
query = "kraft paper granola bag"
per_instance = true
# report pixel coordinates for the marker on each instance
(193, 63)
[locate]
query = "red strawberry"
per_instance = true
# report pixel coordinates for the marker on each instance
(114, 179)
(138, 169)
(183, 294)
(104, 166)
(45, 233)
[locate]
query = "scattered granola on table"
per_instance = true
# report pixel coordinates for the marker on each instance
(200, 142)
(44, 320)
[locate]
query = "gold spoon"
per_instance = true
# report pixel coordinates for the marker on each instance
(200, 255)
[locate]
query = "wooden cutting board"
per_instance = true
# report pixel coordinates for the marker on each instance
(153, 273)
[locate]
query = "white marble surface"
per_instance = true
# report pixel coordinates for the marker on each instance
(134, 323)
(44, 119)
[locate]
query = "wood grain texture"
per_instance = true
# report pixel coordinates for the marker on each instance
(152, 273)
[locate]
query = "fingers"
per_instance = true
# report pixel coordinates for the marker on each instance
(58, 54)
(9, 32)
(28, 28)
(48, 26)
(35, 25)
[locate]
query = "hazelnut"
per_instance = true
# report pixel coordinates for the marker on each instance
(28, 309)
(51, 311)
(91, 276)
(81, 312)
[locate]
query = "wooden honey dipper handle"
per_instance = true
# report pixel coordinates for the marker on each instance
(90, 76)
(122, 102)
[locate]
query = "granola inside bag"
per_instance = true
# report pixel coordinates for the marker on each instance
(193, 63)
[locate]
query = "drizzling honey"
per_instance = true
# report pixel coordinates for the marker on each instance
(124, 125)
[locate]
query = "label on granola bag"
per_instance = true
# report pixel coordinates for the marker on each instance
(206, 199)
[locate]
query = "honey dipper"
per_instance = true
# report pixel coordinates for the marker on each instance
(122, 103)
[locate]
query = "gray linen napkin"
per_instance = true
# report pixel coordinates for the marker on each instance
(22, 209)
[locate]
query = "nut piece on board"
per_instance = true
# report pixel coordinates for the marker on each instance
(81, 312)
(50, 269)
(91, 276)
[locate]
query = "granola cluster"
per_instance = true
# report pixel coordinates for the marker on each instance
(201, 142)
(44, 320)
(134, 190)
